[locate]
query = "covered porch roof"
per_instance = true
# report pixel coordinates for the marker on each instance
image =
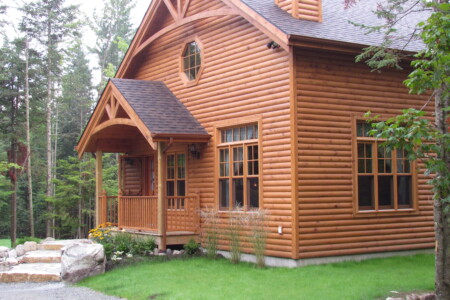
(131, 111)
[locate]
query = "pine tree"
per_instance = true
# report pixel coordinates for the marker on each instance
(114, 32)
(50, 23)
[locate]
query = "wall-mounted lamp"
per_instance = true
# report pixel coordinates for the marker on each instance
(195, 151)
(273, 45)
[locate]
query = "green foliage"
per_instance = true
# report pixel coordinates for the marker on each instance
(192, 247)
(219, 279)
(21, 241)
(432, 65)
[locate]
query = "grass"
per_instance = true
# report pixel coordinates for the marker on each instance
(199, 278)
(5, 243)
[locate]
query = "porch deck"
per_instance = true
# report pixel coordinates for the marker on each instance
(138, 216)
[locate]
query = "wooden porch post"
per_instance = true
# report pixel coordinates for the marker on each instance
(98, 185)
(161, 202)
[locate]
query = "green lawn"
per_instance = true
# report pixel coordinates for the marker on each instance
(5, 243)
(200, 278)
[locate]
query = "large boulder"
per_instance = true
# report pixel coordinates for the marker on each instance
(20, 250)
(80, 260)
(4, 252)
(30, 246)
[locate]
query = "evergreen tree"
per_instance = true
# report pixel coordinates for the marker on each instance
(50, 23)
(114, 31)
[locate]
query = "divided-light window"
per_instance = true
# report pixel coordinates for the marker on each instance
(239, 167)
(385, 178)
(192, 60)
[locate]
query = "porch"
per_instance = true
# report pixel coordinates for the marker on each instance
(155, 136)
(138, 215)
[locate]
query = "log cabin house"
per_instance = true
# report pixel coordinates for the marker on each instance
(259, 104)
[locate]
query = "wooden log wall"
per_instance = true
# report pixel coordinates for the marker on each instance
(241, 78)
(331, 88)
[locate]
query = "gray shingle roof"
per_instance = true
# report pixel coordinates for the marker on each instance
(335, 25)
(158, 107)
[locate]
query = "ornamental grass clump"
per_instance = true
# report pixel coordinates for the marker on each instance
(257, 221)
(237, 220)
(210, 235)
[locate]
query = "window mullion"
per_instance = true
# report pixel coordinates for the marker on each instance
(394, 177)
(244, 176)
(375, 174)
(230, 178)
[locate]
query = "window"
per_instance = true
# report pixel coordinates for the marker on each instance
(239, 167)
(192, 60)
(176, 175)
(384, 177)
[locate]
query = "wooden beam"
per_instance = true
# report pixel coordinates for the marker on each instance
(118, 121)
(203, 15)
(98, 185)
(185, 8)
(171, 9)
(108, 111)
(161, 202)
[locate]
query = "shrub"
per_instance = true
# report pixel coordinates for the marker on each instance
(21, 241)
(192, 247)
(142, 246)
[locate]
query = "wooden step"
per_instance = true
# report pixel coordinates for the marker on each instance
(34, 272)
(42, 256)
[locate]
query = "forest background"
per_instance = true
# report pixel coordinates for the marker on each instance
(55, 58)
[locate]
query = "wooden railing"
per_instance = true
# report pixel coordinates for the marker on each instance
(182, 213)
(109, 206)
(140, 212)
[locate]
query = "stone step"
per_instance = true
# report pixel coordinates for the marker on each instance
(34, 272)
(54, 245)
(42, 256)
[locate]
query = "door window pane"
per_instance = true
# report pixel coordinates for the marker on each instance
(181, 188)
(170, 188)
(238, 161)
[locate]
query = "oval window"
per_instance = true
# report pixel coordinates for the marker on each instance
(192, 60)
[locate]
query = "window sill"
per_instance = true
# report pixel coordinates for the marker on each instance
(386, 213)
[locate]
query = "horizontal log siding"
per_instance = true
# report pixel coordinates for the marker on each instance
(241, 78)
(331, 88)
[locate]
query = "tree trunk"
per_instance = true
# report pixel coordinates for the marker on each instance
(27, 125)
(441, 208)
(49, 192)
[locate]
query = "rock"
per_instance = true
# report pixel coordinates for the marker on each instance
(162, 254)
(12, 254)
(156, 251)
(169, 252)
(4, 252)
(4, 266)
(30, 246)
(176, 252)
(428, 297)
(81, 260)
(49, 239)
(392, 298)
(182, 252)
(20, 250)
(12, 261)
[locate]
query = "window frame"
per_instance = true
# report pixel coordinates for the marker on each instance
(175, 179)
(376, 210)
(245, 144)
(185, 79)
